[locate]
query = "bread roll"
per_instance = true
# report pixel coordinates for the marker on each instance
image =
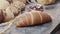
(4, 4)
(32, 18)
(14, 10)
(8, 15)
(19, 5)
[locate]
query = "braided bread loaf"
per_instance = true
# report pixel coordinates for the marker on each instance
(32, 18)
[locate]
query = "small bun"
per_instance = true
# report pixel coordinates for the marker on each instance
(8, 15)
(4, 4)
(14, 10)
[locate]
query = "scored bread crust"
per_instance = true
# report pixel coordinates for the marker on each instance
(28, 18)
(34, 18)
(45, 17)
(32, 21)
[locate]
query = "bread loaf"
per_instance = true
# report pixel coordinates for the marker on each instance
(32, 18)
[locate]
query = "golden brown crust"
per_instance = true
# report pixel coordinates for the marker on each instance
(45, 17)
(27, 22)
(32, 18)
(29, 18)
(36, 17)
(32, 21)
(40, 16)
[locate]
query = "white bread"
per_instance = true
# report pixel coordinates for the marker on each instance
(4, 4)
(8, 15)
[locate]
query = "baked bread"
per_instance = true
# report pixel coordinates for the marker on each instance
(4, 4)
(32, 18)
(8, 15)
(14, 10)
(8, 11)
(19, 5)
(45, 2)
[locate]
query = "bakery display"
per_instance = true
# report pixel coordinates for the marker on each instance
(12, 12)
(33, 18)
(45, 2)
